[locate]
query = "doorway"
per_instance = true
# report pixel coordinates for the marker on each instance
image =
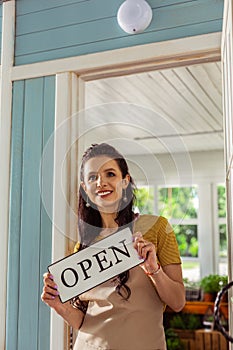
(169, 125)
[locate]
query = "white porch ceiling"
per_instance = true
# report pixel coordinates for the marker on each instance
(160, 111)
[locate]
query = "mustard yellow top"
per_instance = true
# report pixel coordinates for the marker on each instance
(156, 229)
(137, 323)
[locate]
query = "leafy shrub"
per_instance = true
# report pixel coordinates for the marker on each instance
(185, 321)
(173, 341)
(213, 283)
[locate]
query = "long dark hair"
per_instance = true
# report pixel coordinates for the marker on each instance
(89, 218)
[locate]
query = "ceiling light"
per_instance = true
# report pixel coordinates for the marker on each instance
(134, 16)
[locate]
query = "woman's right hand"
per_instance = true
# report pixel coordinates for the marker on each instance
(50, 294)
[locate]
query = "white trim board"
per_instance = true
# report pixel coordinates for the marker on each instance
(8, 28)
(69, 99)
(191, 50)
(62, 110)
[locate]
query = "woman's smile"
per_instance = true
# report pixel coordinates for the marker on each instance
(104, 194)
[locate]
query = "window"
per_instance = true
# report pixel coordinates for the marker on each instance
(222, 229)
(144, 200)
(180, 206)
(178, 202)
(186, 236)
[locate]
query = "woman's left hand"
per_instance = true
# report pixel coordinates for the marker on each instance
(169, 283)
(146, 250)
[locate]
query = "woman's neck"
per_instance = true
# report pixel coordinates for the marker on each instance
(108, 220)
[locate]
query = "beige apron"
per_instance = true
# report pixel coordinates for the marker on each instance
(117, 324)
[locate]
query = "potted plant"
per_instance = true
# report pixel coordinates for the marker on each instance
(185, 321)
(223, 282)
(173, 341)
(211, 285)
(184, 325)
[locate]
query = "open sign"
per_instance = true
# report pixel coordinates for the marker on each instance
(94, 265)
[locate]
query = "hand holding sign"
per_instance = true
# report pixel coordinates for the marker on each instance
(94, 265)
(147, 251)
(50, 294)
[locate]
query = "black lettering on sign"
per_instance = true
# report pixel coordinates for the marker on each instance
(75, 277)
(104, 259)
(85, 268)
(124, 252)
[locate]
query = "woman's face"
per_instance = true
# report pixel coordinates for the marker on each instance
(103, 182)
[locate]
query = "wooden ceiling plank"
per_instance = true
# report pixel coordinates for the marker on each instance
(201, 112)
(202, 100)
(210, 83)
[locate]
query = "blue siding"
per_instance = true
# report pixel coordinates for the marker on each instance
(30, 227)
(58, 29)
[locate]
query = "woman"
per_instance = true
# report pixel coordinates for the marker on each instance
(125, 312)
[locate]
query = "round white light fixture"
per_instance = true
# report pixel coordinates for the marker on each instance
(134, 16)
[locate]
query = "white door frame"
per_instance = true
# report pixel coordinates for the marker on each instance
(181, 52)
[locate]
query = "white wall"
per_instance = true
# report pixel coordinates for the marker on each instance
(178, 169)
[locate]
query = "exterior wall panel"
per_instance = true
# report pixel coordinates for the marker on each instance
(30, 232)
(64, 29)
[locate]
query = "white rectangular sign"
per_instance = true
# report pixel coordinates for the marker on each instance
(94, 265)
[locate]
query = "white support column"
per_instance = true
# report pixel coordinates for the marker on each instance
(69, 99)
(60, 215)
(215, 235)
(81, 119)
(76, 150)
(205, 232)
(7, 58)
(73, 154)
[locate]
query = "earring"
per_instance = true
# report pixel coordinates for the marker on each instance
(87, 202)
(124, 198)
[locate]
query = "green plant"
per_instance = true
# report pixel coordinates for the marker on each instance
(177, 322)
(173, 341)
(211, 283)
(185, 321)
(223, 281)
(145, 200)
